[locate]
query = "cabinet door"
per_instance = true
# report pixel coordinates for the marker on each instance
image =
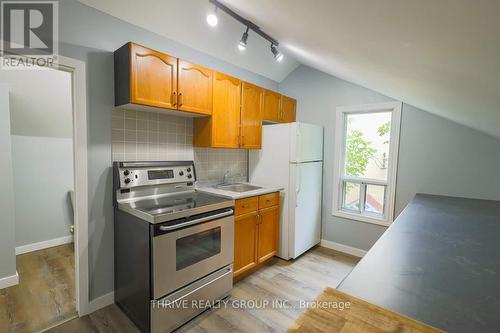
(251, 116)
(194, 88)
(288, 106)
(268, 233)
(153, 78)
(245, 242)
(226, 111)
(272, 108)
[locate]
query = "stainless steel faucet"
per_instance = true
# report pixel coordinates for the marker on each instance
(224, 179)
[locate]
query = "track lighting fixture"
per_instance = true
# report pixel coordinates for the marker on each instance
(278, 56)
(212, 19)
(242, 45)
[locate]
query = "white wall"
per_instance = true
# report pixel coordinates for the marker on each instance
(7, 219)
(94, 44)
(42, 153)
(436, 155)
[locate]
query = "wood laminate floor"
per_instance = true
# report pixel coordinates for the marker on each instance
(45, 294)
(293, 281)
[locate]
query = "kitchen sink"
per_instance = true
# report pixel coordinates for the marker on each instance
(238, 187)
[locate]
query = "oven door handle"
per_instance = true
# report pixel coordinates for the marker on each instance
(197, 221)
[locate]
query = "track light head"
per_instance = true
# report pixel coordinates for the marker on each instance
(278, 56)
(212, 19)
(242, 45)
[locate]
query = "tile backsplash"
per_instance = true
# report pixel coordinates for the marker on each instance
(211, 164)
(150, 136)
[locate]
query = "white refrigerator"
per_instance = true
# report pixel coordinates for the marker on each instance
(292, 157)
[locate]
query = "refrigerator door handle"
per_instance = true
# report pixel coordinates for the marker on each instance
(299, 157)
(297, 185)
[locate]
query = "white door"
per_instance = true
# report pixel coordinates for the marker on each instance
(306, 143)
(305, 207)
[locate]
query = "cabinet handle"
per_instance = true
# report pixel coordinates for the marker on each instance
(242, 140)
(259, 219)
(180, 99)
(245, 206)
(174, 98)
(268, 200)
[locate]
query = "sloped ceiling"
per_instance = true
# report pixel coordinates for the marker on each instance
(442, 56)
(185, 22)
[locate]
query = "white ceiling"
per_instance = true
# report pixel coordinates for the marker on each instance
(440, 55)
(185, 22)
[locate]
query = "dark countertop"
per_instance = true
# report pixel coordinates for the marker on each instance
(438, 263)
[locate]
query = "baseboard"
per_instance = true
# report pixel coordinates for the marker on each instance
(9, 281)
(44, 245)
(343, 248)
(101, 302)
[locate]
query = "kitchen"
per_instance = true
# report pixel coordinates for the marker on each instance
(226, 172)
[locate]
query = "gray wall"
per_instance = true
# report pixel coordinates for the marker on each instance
(7, 240)
(42, 141)
(435, 155)
(92, 36)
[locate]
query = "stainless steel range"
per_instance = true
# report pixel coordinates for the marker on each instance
(173, 245)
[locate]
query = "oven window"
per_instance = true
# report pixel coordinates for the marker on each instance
(195, 248)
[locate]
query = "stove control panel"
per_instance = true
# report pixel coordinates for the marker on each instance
(134, 174)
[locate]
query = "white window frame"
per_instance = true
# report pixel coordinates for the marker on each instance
(338, 176)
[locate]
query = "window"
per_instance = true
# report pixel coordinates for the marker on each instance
(366, 150)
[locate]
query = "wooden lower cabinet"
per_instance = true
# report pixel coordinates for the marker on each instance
(245, 242)
(267, 240)
(256, 233)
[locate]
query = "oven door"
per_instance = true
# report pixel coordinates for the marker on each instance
(182, 256)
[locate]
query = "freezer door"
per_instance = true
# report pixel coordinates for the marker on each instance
(306, 143)
(305, 206)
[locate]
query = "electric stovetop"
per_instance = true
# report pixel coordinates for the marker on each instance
(174, 206)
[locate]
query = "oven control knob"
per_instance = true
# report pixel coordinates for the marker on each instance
(126, 172)
(188, 170)
(127, 180)
(189, 176)
(181, 173)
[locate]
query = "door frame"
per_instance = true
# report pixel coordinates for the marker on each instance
(79, 106)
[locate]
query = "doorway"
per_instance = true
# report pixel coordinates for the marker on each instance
(48, 135)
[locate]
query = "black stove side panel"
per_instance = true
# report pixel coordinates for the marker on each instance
(132, 268)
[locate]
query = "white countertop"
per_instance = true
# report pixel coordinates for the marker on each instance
(239, 195)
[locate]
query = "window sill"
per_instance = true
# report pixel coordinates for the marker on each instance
(361, 218)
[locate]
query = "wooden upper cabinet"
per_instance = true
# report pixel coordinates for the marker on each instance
(272, 108)
(251, 116)
(279, 108)
(268, 236)
(222, 129)
(153, 77)
(288, 109)
(194, 88)
(145, 77)
(147, 80)
(226, 114)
